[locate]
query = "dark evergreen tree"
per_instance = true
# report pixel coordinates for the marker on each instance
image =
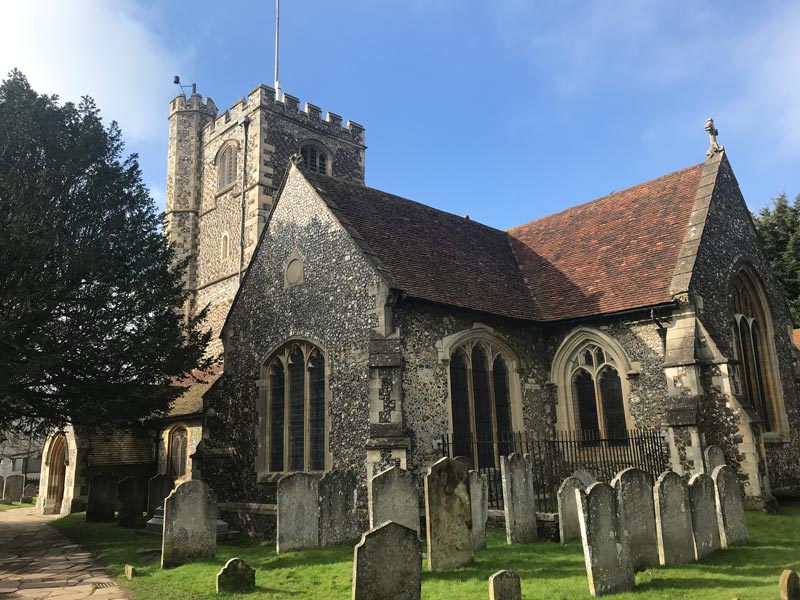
(779, 227)
(91, 301)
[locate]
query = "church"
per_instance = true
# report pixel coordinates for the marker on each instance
(361, 330)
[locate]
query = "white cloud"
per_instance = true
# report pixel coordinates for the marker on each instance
(101, 48)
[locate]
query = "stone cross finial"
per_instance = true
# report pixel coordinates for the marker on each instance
(713, 146)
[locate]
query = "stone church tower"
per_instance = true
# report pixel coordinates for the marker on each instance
(224, 171)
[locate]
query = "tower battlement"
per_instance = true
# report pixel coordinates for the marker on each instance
(264, 96)
(194, 102)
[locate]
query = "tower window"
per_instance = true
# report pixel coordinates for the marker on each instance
(226, 167)
(315, 158)
(225, 251)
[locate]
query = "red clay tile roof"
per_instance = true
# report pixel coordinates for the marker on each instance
(191, 401)
(612, 254)
(432, 255)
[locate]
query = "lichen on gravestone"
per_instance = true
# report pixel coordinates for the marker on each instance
(236, 577)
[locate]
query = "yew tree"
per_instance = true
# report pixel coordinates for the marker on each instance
(92, 328)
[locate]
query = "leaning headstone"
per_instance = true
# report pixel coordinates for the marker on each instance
(387, 564)
(158, 488)
(31, 490)
(789, 585)
(338, 504)
(479, 505)
(132, 499)
(584, 476)
(569, 527)
(730, 507)
(448, 516)
(395, 497)
(102, 498)
(298, 512)
(505, 585)
(519, 500)
(673, 520)
(190, 525)
(637, 518)
(13, 487)
(715, 457)
(236, 577)
(704, 515)
(606, 568)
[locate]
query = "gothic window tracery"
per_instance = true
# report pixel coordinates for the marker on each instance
(315, 158)
(597, 393)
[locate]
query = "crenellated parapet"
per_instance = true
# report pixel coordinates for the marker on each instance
(194, 103)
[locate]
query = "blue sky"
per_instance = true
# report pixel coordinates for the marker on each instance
(504, 110)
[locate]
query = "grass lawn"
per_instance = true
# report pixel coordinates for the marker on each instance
(15, 505)
(548, 570)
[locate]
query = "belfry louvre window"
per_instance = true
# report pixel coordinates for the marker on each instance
(315, 158)
(226, 167)
(296, 409)
(480, 403)
(597, 395)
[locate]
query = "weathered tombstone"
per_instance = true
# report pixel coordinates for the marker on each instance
(584, 476)
(132, 499)
(102, 498)
(158, 488)
(789, 585)
(31, 490)
(190, 525)
(606, 568)
(569, 527)
(465, 460)
(636, 517)
(704, 515)
(338, 503)
(236, 577)
(298, 512)
(505, 585)
(130, 572)
(394, 497)
(519, 499)
(2, 484)
(479, 505)
(13, 487)
(730, 508)
(673, 520)
(715, 457)
(387, 564)
(448, 516)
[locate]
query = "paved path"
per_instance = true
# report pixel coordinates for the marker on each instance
(36, 561)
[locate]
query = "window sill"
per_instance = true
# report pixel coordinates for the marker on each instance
(225, 190)
(771, 437)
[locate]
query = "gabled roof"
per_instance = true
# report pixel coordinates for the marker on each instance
(431, 255)
(613, 254)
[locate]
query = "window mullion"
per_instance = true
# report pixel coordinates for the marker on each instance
(306, 412)
(601, 414)
(286, 414)
(471, 398)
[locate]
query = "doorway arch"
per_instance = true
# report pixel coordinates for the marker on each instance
(57, 471)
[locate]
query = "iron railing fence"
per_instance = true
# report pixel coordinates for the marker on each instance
(557, 456)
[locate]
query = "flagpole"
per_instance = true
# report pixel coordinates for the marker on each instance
(278, 92)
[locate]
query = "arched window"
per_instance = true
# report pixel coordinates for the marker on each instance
(755, 351)
(226, 167)
(315, 158)
(178, 441)
(480, 402)
(597, 395)
(295, 409)
(225, 250)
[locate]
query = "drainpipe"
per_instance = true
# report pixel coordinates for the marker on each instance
(246, 125)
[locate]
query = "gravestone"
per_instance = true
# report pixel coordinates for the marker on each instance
(569, 527)
(190, 525)
(236, 577)
(519, 499)
(479, 505)
(789, 585)
(505, 585)
(584, 476)
(636, 517)
(704, 515)
(102, 499)
(673, 520)
(394, 497)
(338, 503)
(2, 484)
(13, 487)
(730, 507)
(132, 497)
(130, 572)
(448, 516)
(715, 457)
(158, 488)
(606, 568)
(387, 564)
(31, 490)
(298, 512)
